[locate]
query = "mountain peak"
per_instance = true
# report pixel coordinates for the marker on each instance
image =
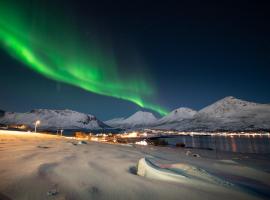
(230, 99)
(142, 113)
(227, 105)
(178, 115)
(183, 109)
(138, 119)
(236, 101)
(141, 116)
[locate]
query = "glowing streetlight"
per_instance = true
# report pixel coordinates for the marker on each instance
(36, 124)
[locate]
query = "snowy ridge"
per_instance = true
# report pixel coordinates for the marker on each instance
(115, 120)
(53, 119)
(226, 114)
(227, 107)
(138, 120)
(177, 115)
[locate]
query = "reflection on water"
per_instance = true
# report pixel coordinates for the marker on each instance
(243, 144)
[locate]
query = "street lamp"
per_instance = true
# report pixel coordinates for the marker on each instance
(36, 123)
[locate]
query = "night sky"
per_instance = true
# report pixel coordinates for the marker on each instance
(189, 53)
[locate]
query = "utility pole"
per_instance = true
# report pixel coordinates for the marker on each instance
(36, 124)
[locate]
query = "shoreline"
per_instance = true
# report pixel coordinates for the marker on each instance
(40, 164)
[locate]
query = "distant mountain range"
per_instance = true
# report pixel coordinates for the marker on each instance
(226, 114)
(229, 114)
(53, 119)
(137, 120)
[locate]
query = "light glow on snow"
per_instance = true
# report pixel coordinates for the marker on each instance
(143, 143)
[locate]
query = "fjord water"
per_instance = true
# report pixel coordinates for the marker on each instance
(241, 144)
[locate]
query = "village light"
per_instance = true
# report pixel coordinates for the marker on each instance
(144, 143)
(36, 124)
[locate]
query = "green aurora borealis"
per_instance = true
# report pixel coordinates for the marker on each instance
(52, 45)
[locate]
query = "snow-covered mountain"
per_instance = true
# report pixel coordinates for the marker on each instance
(227, 107)
(137, 120)
(53, 119)
(226, 114)
(177, 115)
(115, 121)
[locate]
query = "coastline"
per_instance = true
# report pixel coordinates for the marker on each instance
(39, 163)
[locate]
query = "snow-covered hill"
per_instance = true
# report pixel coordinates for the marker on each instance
(226, 114)
(137, 120)
(177, 115)
(227, 107)
(115, 121)
(53, 119)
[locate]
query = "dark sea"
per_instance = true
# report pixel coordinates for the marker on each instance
(241, 144)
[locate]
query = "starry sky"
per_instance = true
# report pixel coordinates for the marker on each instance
(148, 55)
